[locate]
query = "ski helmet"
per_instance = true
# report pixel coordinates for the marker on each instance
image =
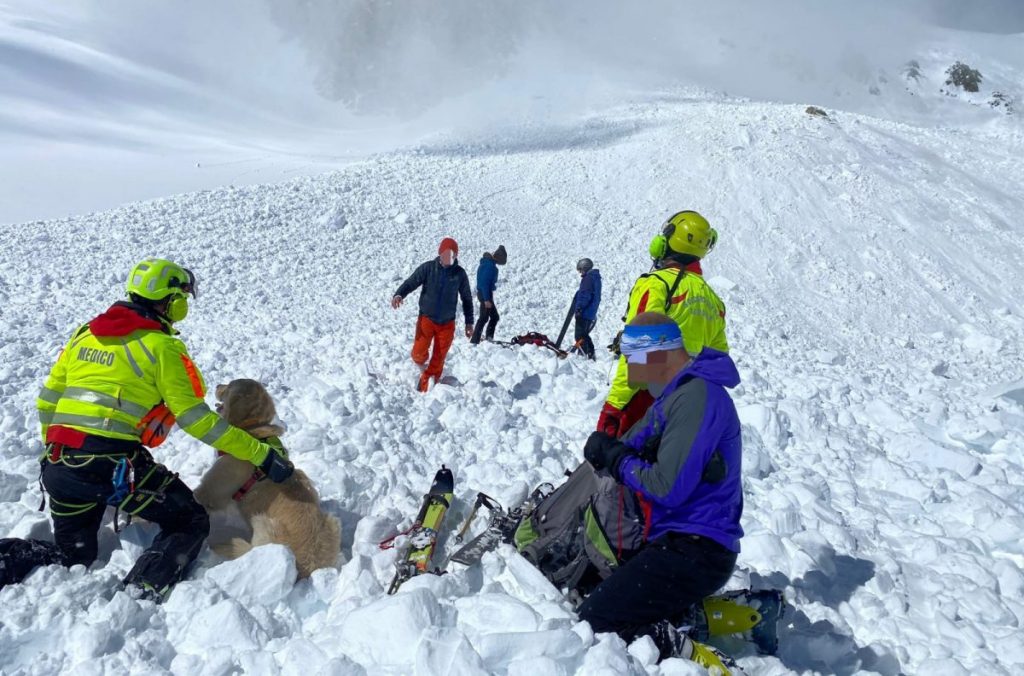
(156, 279)
(686, 232)
(584, 265)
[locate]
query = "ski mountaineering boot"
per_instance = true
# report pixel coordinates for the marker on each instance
(754, 615)
(677, 644)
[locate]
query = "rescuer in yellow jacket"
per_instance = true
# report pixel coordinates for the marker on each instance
(676, 287)
(117, 387)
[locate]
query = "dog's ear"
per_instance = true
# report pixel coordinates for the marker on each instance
(247, 404)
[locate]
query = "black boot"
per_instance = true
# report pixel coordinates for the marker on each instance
(19, 557)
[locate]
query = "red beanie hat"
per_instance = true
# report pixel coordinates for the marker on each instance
(448, 243)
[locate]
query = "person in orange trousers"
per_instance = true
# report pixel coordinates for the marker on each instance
(444, 282)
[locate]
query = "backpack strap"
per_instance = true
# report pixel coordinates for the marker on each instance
(672, 289)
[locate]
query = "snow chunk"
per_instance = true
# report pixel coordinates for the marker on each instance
(1013, 391)
(722, 284)
(335, 220)
(921, 450)
(11, 486)
(977, 341)
(771, 427)
(829, 358)
(943, 667)
(645, 651)
(226, 624)
(520, 578)
(301, 657)
(444, 650)
(387, 631)
(264, 575)
(499, 650)
(498, 611)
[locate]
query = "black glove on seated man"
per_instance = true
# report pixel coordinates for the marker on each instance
(604, 451)
(277, 466)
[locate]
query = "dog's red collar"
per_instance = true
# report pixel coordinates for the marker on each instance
(256, 477)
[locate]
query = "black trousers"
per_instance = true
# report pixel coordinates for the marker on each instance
(78, 492)
(488, 317)
(659, 584)
(582, 331)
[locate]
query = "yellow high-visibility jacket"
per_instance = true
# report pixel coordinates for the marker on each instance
(694, 306)
(121, 365)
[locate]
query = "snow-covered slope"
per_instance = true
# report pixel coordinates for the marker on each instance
(871, 271)
(104, 102)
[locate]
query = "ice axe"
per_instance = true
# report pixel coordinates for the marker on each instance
(565, 324)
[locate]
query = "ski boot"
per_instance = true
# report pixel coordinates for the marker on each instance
(143, 591)
(716, 662)
(674, 642)
(753, 614)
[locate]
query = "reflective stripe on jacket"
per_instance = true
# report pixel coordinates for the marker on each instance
(116, 369)
(694, 306)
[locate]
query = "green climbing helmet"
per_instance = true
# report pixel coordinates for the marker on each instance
(686, 232)
(155, 279)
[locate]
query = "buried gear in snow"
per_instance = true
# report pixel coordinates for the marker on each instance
(535, 338)
(20, 557)
(500, 528)
(424, 531)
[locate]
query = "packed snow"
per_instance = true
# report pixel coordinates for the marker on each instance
(871, 267)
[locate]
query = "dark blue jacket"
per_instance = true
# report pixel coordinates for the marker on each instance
(442, 288)
(692, 421)
(588, 298)
(486, 277)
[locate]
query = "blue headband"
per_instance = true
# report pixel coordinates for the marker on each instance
(637, 341)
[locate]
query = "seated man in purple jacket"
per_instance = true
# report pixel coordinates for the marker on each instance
(684, 458)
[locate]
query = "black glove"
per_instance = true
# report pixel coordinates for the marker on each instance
(604, 451)
(277, 466)
(579, 316)
(613, 346)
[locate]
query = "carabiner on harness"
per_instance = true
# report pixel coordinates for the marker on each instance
(123, 481)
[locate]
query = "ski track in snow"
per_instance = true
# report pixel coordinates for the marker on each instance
(871, 272)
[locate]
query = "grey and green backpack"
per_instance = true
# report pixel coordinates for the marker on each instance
(591, 523)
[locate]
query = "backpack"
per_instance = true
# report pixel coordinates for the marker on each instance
(532, 338)
(589, 524)
(538, 339)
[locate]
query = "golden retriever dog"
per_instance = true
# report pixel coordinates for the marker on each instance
(287, 513)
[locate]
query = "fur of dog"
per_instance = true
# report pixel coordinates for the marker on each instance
(287, 513)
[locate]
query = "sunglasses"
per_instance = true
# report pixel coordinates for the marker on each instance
(190, 286)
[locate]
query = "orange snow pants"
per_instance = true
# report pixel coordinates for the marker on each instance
(441, 335)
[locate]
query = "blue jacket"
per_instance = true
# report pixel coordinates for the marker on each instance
(442, 288)
(588, 298)
(486, 278)
(674, 447)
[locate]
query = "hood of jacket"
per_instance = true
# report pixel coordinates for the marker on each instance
(714, 367)
(123, 318)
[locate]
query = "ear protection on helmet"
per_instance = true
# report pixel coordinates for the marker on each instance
(177, 309)
(658, 247)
